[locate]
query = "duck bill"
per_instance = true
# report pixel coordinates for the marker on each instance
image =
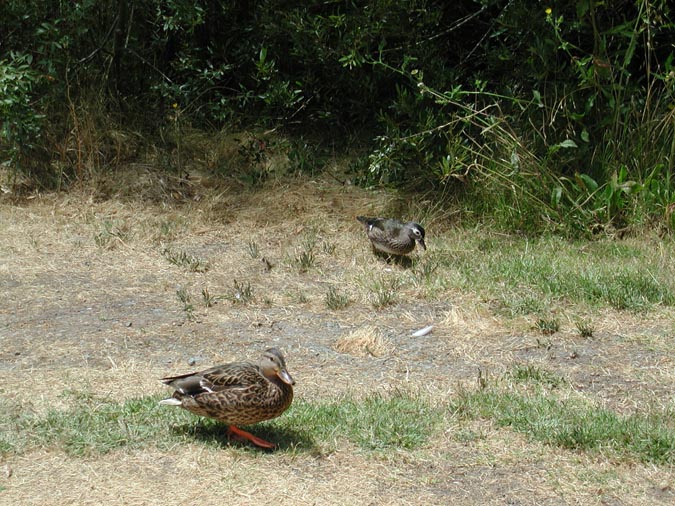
(285, 377)
(422, 245)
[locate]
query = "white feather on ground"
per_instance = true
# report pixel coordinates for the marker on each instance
(423, 332)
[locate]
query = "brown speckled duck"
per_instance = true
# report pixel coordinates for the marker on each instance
(392, 236)
(240, 393)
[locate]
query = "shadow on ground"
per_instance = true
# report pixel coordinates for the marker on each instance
(217, 434)
(402, 261)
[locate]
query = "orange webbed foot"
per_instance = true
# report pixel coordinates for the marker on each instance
(247, 436)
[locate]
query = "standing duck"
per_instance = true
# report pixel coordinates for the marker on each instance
(392, 236)
(240, 393)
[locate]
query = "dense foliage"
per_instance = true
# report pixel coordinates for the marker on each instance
(541, 115)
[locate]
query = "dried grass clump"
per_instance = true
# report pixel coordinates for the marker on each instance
(362, 342)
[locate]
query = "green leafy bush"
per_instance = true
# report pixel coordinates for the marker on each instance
(553, 118)
(21, 123)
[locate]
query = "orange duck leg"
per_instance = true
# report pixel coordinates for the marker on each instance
(242, 434)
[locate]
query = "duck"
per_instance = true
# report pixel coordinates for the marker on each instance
(393, 237)
(238, 393)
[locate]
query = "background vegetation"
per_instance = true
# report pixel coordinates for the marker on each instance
(543, 117)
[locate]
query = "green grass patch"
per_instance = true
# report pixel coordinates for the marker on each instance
(529, 276)
(548, 326)
(524, 276)
(522, 373)
(383, 291)
(397, 421)
(574, 424)
(335, 299)
(94, 426)
(585, 327)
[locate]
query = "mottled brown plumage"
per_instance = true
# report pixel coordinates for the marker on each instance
(240, 393)
(392, 236)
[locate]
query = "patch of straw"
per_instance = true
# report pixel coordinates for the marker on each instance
(363, 341)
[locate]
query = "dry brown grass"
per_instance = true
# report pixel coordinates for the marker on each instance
(104, 318)
(366, 340)
(498, 468)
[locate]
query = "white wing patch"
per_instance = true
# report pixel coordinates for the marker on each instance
(204, 384)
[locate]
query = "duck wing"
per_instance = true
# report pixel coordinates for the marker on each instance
(238, 375)
(216, 379)
(374, 223)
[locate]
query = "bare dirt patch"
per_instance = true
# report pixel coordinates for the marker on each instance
(90, 303)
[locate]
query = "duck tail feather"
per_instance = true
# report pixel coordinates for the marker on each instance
(171, 402)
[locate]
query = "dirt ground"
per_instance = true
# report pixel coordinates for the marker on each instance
(89, 303)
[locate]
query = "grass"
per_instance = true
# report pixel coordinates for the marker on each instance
(427, 269)
(93, 426)
(328, 248)
(185, 298)
(306, 258)
(575, 425)
(110, 234)
(384, 292)
(169, 229)
(365, 340)
(242, 292)
(569, 422)
(468, 284)
(585, 328)
(208, 299)
(529, 276)
(253, 249)
(548, 326)
(335, 299)
(522, 373)
(535, 276)
(187, 261)
(97, 425)
(376, 422)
